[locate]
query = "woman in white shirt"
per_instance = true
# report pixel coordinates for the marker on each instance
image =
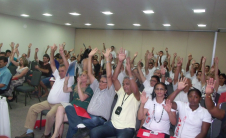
(222, 86)
(194, 120)
(159, 116)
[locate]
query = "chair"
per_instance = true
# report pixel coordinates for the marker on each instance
(12, 69)
(7, 90)
(33, 64)
(223, 106)
(44, 112)
(215, 128)
(217, 98)
(36, 76)
(202, 103)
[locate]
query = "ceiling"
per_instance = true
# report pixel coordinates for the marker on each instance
(178, 13)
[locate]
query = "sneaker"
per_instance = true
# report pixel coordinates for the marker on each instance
(82, 132)
(46, 136)
(25, 135)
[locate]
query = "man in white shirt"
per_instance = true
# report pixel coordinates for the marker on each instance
(162, 57)
(56, 96)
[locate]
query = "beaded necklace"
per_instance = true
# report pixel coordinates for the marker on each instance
(161, 115)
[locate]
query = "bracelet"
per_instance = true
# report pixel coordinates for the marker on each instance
(130, 78)
(107, 61)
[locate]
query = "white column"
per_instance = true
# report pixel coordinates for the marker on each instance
(214, 48)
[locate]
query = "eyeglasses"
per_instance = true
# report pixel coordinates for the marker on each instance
(157, 89)
(103, 82)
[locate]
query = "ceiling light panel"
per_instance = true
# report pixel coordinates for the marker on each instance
(166, 25)
(136, 24)
(24, 15)
(75, 13)
(67, 24)
(88, 24)
(110, 24)
(47, 14)
(199, 10)
(107, 12)
(148, 11)
(201, 25)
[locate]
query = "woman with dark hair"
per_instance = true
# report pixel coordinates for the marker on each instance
(19, 77)
(222, 86)
(194, 120)
(159, 114)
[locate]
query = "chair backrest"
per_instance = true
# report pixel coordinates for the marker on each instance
(8, 86)
(223, 106)
(26, 76)
(33, 64)
(202, 103)
(215, 128)
(217, 98)
(12, 69)
(36, 77)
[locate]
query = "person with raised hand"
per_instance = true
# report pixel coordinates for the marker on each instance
(124, 114)
(8, 54)
(55, 98)
(194, 120)
(150, 67)
(158, 111)
(148, 85)
(27, 56)
(100, 104)
(19, 77)
(214, 110)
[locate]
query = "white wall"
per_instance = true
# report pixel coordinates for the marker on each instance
(40, 34)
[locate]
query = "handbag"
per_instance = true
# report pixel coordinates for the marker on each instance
(81, 112)
(144, 133)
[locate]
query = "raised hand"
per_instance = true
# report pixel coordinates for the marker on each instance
(166, 49)
(107, 53)
(203, 60)
(36, 50)
(135, 55)
(48, 46)
(89, 47)
(64, 44)
(67, 78)
(81, 50)
(152, 48)
(12, 45)
(143, 98)
(167, 106)
(17, 45)
(190, 57)
(1, 45)
(169, 56)
(79, 80)
(175, 55)
(179, 62)
(210, 86)
(128, 68)
(54, 47)
(216, 60)
(182, 84)
(212, 69)
(93, 52)
(178, 58)
(121, 54)
(138, 64)
(193, 62)
(163, 71)
(170, 80)
(15, 50)
(71, 50)
(149, 55)
(29, 46)
(61, 48)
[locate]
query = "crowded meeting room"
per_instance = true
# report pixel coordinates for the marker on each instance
(112, 69)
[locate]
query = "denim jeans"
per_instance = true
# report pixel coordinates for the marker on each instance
(108, 130)
(74, 120)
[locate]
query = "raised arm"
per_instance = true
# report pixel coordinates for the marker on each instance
(108, 67)
(216, 75)
(172, 115)
(140, 72)
(142, 111)
(115, 80)
(29, 50)
(163, 72)
(200, 64)
(167, 54)
(81, 94)
(104, 47)
(90, 71)
(169, 66)
(52, 62)
(181, 85)
(174, 57)
(47, 49)
(61, 51)
(156, 61)
(12, 46)
(192, 70)
(147, 59)
(189, 62)
(99, 56)
(213, 110)
(35, 56)
(17, 51)
(12, 56)
(133, 84)
(152, 50)
(79, 55)
(1, 46)
(178, 70)
(132, 61)
(66, 88)
(203, 76)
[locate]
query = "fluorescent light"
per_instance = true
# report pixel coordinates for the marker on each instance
(47, 14)
(107, 12)
(136, 24)
(74, 13)
(24, 15)
(88, 24)
(148, 11)
(67, 24)
(110, 24)
(201, 25)
(199, 10)
(166, 24)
